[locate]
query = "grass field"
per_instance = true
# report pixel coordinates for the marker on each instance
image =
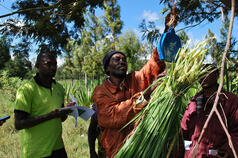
(75, 139)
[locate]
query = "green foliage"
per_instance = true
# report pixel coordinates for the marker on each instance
(83, 96)
(215, 51)
(100, 35)
(46, 21)
(190, 12)
(9, 136)
(158, 124)
(112, 20)
(133, 49)
(234, 85)
(4, 51)
(183, 37)
(150, 32)
(19, 66)
(9, 84)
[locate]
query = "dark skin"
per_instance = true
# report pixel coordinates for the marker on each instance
(117, 69)
(47, 67)
(2, 122)
(117, 66)
(170, 20)
(209, 84)
(93, 133)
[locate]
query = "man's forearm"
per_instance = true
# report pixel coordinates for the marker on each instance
(23, 120)
(28, 122)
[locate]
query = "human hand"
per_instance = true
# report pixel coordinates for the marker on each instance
(153, 85)
(149, 91)
(70, 104)
(60, 113)
(171, 20)
(2, 122)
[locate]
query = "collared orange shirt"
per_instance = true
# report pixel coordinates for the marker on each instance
(115, 104)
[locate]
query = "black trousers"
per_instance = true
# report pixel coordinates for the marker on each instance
(61, 153)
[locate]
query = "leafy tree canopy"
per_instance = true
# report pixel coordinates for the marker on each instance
(4, 52)
(196, 11)
(51, 22)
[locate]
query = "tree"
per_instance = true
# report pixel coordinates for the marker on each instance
(218, 46)
(132, 47)
(68, 65)
(190, 12)
(184, 37)
(150, 32)
(98, 34)
(4, 51)
(83, 53)
(47, 21)
(112, 20)
(196, 11)
(216, 49)
(20, 65)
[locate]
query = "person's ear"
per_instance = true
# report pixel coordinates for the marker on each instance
(107, 71)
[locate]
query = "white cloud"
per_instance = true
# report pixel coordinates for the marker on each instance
(150, 16)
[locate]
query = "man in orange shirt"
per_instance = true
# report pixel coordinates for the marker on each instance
(115, 98)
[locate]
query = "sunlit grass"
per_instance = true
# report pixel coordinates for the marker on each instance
(9, 138)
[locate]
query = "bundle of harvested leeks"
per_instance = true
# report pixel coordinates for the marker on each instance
(157, 133)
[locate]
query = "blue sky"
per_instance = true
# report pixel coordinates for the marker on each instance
(133, 11)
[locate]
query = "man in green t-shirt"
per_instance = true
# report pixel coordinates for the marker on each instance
(37, 112)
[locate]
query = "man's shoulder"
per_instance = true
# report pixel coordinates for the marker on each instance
(102, 89)
(28, 85)
(59, 84)
(230, 96)
(99, 88)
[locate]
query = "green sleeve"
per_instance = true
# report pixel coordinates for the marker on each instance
(24, 98)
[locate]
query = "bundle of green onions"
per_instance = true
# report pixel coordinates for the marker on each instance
(157, 133)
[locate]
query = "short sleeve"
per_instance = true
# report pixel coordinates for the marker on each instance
(24, 98)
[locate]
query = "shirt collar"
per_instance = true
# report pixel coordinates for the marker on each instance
(37, 79)
(114, 88)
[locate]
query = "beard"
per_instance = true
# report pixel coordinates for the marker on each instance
(119, 74)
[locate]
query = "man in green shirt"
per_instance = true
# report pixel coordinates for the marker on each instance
(37, 112)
